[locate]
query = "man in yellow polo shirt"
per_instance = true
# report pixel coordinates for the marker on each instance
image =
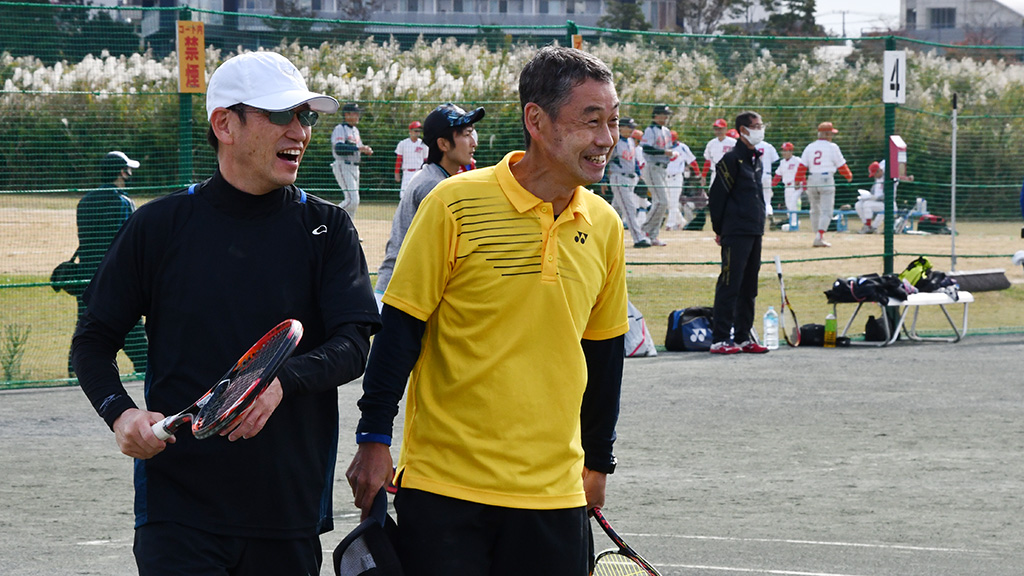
(506, 314)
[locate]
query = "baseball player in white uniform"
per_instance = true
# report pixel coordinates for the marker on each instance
(348, 148)
(411, 154)
(820, 161)
(769, 156)
(622, 179)
(715, 149)
(873, 202)
(657, 145)
(676, 174)
(786, 173)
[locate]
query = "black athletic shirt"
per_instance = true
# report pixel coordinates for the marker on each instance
(212, 272)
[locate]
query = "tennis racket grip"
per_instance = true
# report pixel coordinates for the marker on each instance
(165, 428)
(160, 429)
(778, 265)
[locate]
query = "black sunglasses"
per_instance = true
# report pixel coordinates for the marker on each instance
(284, 117)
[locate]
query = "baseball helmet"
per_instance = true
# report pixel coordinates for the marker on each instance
(415, 125)
(827, 127)
(720, 123)
(787, 145)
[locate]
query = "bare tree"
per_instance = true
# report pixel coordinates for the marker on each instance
(704, 16)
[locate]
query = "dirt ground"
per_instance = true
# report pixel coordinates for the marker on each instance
(34, 240)
(905, 460)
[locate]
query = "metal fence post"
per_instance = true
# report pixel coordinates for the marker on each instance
(890, 215)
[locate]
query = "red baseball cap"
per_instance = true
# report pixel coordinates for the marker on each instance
(720, 123)
(415, 125)
(732, 133)
(873, 168)
(787, 145)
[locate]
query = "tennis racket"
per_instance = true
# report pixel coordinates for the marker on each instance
(787, 318)
(622, 562)
(239, 388)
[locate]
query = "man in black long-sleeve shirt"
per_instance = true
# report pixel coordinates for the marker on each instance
(212, 268)
(736, 203)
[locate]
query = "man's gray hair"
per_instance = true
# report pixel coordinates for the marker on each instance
(548, 78)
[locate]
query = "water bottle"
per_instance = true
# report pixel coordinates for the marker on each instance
(771, 329)
(830, 330)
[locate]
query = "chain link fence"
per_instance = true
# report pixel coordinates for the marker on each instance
(78, 82)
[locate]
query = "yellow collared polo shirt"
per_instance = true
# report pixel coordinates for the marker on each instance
(507, 291)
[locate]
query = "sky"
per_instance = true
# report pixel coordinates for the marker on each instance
(861, 15)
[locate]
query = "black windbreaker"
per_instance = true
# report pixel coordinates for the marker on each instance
(736, 198)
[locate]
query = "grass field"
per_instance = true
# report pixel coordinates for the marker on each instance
(682, 274)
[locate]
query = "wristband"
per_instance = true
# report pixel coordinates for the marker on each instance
(363, 437)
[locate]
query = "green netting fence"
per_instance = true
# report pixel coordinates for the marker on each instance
(78, 82)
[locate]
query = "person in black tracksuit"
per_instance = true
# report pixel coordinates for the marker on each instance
(736, 204)
(212, 268)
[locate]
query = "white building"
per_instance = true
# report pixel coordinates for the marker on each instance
(660, 14)
(997, 22)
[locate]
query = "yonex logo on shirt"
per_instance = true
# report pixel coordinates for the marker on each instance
(581, 237)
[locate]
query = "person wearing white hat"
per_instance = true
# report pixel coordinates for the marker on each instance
(212, 268)
(99, 215)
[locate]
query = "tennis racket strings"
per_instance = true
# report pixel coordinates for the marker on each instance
(231, 392)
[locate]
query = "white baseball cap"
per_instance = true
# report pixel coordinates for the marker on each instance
(263, 80)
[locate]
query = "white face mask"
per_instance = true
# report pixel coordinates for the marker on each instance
(755, 137)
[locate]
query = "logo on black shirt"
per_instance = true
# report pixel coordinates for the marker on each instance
(321, 229)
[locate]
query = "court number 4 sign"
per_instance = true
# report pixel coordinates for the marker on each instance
(894, 77)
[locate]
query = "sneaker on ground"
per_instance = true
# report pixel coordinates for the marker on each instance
(867, 230)
(820, 243)
(724, 348)
(642, 243)
(751, 347)
(658, 242)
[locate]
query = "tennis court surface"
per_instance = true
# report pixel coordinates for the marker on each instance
(906, 460)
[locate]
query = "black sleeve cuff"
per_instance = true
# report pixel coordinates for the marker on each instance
(113, 406)
(607, 467)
